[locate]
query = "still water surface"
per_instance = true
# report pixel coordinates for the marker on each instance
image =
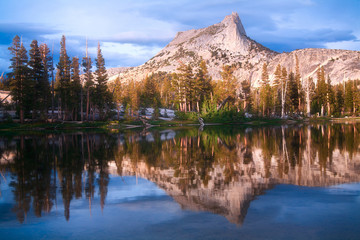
(284, 182)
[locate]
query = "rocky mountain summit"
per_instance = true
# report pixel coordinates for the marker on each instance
(226, 43)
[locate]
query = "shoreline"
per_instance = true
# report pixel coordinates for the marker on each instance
(126, 125)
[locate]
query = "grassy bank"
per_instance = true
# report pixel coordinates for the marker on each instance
(123, 125)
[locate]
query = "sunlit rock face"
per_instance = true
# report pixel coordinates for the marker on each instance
(340, 65)
(246, 165)
(226, 43)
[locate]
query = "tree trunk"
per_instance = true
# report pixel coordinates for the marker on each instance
(263, 110)
(21, 115)
(185, 104)
(308, 103)
(354, 107)
(81, 105)
(87, 104)
(283, 98)
(308, 99)
(197, 106)
(222, 104)
(33, 115)
(52, 89)
(59, 109)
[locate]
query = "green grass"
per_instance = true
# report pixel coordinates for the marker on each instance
(188, 119)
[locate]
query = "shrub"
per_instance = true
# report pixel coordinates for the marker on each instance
(191, 116)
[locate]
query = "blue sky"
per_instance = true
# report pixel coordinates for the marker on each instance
(132, 31)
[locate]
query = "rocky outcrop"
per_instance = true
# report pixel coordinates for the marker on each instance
(226, 43)
(339, 65)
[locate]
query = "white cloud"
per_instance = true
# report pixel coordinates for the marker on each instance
(132, 54)
(133, 31)
(346, 45)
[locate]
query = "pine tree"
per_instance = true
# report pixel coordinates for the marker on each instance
(225, 90)
(117, 90)
(166, 95)
(47, 62)
(134, 97)
(202, 84)
(150, 96)
(102, 94)
(293, 93)
(276, 88)
(309, 92)
(356, 96)
(189, 80)
(264, 75)
(39, 82)
(330, 96)
(63, 88)
(75, 88)
(349, 96)
(20, 82)
(246, 95)
(298, 83)
(321, 89)
(265, 91)
(89, 84)
(182, 86)
(284, 83)
(177, 88)
(339, 100)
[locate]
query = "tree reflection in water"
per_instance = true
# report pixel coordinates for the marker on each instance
(220, 169)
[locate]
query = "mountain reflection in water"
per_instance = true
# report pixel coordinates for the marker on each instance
(220, 170)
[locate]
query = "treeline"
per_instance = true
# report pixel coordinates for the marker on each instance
(38, 93)
(288, 94)
(191, 89)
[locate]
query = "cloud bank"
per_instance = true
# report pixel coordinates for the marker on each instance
(131, 32)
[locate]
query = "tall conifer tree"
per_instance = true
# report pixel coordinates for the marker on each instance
(75, 88)
(47, 62)
(102, 95)
(202, 84)
(20, 82)
(293, 93)
(64, 78)
(89, 83)
(284, 83)
(298, 83)
(39, 80)
(321, 90)
(265, 91)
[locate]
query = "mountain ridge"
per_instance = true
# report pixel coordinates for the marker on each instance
(226, 43)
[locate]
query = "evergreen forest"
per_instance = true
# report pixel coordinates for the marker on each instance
(77, 89)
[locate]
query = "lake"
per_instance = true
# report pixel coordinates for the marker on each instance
(278, 182)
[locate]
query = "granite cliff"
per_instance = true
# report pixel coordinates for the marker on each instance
(226, 43)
